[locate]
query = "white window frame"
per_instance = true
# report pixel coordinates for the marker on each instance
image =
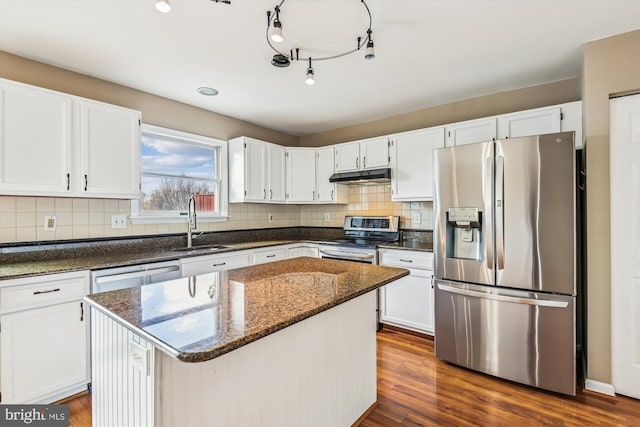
(137, 217)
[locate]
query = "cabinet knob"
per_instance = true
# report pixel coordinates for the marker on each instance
(357, 162)
(68, 181)
(332, 194)
(86, 182)
(270, 194)
(264, 193)
(364, 162)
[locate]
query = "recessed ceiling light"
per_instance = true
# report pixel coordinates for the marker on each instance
(207, 91)
(163, 6)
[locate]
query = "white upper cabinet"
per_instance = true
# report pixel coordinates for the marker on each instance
(277, 175)
(301, 175)
(374, 153)
(54, 144)
(109, 150)
(248, 170)
(530, 122)
(328, 192)
(347, 157)
(308, 172)
(35, 140)
(558, 118)
(366, 154)
(471, 131)
(412, 163)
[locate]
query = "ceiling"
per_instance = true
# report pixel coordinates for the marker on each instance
(428, 52)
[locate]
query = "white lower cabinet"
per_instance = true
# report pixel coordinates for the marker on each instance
(43, 338)
(408, 302)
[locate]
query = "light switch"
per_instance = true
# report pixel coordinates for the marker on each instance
(417, 218)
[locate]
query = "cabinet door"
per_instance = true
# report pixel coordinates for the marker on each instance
(325, 190)
(300, 251)
(35, 140)
(109, 150)
(276, 172)
(43, 350)
(412, 164)
(408, 302)
(471, 131)
(374, 153)
(347, 157)
(301, 177)
(531, 122)
(255, 158)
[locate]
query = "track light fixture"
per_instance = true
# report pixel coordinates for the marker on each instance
(284, 59)
(310, 78)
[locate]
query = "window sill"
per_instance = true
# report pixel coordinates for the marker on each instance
(174, 220)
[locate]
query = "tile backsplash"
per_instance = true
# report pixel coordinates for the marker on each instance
(22, 219)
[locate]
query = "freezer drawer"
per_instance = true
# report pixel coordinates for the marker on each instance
(522, 336)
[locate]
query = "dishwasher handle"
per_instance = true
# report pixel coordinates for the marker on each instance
(133, 275)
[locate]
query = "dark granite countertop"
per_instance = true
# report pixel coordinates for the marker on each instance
(200, 318)
(108, 258)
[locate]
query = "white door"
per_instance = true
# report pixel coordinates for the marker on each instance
(43, 350)
(412, 164)
(374, 153)
(110, 150)
(255, 157)
(347, 157)
(527, 123)
(301, 175)
(625, 244)
(276, 171)
(35, 140)
(326, 191)
(472, 131)
(408, 302)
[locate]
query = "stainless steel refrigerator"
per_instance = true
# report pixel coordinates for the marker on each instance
(505, 259)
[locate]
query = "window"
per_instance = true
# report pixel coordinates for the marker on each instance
(175, 166)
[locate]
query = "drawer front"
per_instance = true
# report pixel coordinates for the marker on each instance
(39, 294)
(406, 259)
(208, 264)
(270, 256)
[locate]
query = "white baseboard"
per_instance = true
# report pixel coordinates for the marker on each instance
(600, 387)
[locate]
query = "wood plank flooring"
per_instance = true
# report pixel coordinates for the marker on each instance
(416, 389)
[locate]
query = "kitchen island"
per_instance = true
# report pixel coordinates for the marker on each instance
(284, 343)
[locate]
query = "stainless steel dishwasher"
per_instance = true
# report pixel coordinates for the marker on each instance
(109, 279)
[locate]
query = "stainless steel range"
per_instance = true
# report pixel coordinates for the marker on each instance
(362, 234)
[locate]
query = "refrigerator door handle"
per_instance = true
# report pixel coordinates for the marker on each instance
(488, 176)
(500, 210)
(504, 298)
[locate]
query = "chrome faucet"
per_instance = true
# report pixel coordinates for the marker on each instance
(191, 220)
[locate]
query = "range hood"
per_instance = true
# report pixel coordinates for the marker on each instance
(371, 176)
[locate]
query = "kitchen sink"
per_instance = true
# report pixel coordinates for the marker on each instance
(203, 248)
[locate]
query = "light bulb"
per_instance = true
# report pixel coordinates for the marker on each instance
(163, 6)
(276, 34)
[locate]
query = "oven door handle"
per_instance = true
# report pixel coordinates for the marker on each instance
(347, 254)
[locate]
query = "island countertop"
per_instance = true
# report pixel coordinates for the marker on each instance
(199, 318)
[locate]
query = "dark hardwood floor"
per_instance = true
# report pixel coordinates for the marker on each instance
(416, 389)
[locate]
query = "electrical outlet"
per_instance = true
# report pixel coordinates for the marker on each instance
(327, 216)
(270, 217)
(50, 223)
(417, 218)
(118, 221)
(138, 357)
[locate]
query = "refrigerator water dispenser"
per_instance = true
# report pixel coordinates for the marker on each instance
(464, 233)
